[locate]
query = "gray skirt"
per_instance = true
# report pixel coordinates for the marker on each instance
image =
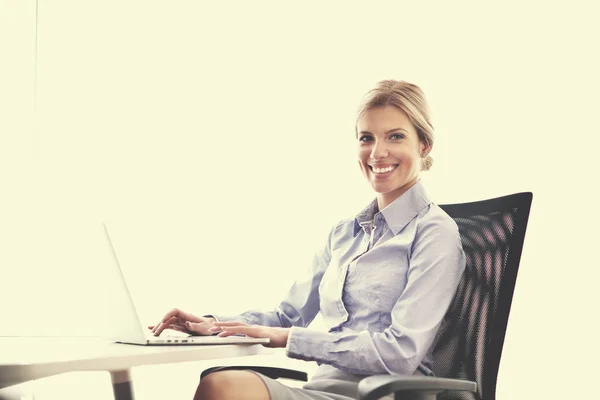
(329, 383)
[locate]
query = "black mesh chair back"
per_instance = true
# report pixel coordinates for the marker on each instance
(469, 342)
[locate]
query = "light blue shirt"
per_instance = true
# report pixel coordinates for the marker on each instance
(383, 282)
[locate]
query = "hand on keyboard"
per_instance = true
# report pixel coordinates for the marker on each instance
(183, 322)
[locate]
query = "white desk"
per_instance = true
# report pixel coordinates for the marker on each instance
(27, 358)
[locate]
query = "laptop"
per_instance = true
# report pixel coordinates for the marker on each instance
(127, 328)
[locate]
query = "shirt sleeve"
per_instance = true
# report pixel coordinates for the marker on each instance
(301, 303)
(436, 265)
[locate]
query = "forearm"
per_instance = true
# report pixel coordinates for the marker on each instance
(361, 353)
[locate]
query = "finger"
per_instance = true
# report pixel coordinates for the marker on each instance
(155, 327)
(179, 328)
(173, 313)
(229, 323)
(158, 328)
(173, 321)
(190, 326)
(248, 330)
(181, 315)
(199, 328)
(227, 333)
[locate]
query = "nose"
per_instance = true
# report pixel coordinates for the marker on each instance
(379, 150)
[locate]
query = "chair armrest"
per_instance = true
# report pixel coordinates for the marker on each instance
(422, 387)
(271, 372)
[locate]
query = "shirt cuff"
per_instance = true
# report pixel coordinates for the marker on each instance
(307, 344)
(289, 340)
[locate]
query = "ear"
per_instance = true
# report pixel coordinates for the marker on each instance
(425, 150)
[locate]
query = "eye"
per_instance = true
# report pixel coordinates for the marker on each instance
(365, 138)
(397, 136)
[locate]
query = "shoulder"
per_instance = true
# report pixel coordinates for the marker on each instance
(435, 217)
(435, 223)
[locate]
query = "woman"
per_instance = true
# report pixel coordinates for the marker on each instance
(383, 280)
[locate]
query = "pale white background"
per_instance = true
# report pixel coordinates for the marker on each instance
(217, 142)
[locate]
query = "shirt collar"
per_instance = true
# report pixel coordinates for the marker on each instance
(399, 213)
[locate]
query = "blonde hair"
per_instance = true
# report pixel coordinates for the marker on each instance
(409, 98)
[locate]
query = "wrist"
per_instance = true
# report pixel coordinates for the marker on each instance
(210, 318)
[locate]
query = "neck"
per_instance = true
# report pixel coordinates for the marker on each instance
(385, 199)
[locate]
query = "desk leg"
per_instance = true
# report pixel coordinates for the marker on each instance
(121, 382)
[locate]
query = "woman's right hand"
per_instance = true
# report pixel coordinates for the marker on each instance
(183, 322)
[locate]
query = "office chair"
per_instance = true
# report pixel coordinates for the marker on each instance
(469, 342)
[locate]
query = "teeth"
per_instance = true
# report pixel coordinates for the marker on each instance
(383, 170)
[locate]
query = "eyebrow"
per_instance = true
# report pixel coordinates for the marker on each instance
(387, 132)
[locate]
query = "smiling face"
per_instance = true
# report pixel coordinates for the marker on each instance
(389, 152)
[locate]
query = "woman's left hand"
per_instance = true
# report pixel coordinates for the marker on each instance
(278, 336)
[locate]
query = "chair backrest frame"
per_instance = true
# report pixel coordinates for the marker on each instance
(519, 204)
